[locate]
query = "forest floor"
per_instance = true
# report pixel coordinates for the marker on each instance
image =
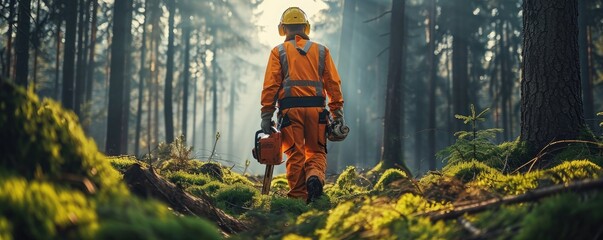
(54, 183)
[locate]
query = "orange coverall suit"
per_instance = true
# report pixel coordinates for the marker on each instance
(300, 73)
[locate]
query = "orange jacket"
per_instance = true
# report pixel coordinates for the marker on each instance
(301, 75)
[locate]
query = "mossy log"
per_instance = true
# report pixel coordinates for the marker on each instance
(146, 183)
(475, 207)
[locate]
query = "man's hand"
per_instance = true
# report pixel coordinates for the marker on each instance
(267, 122)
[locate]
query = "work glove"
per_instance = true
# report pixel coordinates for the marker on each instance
(267, 122)
(338, 116)
(337, 130)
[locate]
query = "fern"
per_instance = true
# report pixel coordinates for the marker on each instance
(474, 144)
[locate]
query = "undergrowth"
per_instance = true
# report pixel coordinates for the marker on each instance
(54, 184)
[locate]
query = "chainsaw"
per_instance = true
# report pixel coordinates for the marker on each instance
(267, 150)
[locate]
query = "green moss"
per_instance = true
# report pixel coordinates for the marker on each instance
(212, 188)
(468, 171)
(236, 198)
(288, 205)
(573, 171)
(184, 180)
(136, 219)
(38, 210)
(388, 177)
(47, 142)
(308, 222)
(54, 184)
(279, 185)
(566, 216)
(577, 151)
(295, 237)
(5, 229)
(501, 220)
(231, 177)
(345, 187)
(122, 163)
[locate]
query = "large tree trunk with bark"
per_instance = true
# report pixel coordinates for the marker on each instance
(69, 55)
(392, 155)
(551, 106)
(169, 76)
(146, 183)
(115, 119)
(22, 48)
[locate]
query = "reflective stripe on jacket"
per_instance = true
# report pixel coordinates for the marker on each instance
(301, 68)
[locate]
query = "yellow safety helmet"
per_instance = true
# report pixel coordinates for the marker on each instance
(293, 15)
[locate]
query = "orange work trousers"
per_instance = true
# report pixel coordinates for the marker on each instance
(304, 143)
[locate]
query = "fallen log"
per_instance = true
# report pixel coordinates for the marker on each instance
(578, 186)
(144, 182)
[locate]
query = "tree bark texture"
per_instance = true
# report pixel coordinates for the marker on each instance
(22, 47)
(169, 76)
(69, 55)
(551, 106)
(117, 78)
(392, 155)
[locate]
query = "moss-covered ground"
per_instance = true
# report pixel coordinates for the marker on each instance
(54, 184)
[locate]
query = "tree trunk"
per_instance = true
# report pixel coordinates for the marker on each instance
(231, 110)
(431, 122)
(9, 39)
(90, 69)
(587, 91)
(69, 55)
(117, 78)
(141, 79)
(205, 99)
(392, 156)
(551, 107)
(186, 34)
(214, 90)
(57, 66)
(505, 83)
(22, 48)
(169, 76)
(460, 77)
(80, 72)
(146, 183)
(128, 63)
(36, 45)
(344, 60)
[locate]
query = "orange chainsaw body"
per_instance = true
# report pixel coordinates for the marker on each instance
(267, 148)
